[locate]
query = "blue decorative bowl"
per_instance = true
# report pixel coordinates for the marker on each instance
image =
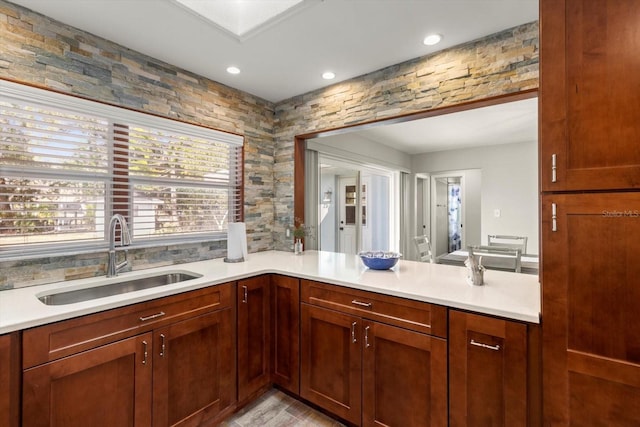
(378, 260)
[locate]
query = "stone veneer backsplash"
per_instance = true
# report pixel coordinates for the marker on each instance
(41, 51)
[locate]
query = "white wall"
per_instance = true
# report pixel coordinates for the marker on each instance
(364, 151)
(509, 183)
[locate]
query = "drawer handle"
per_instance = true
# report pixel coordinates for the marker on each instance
(144, 348)
(362, 304)
(153, 316)
(353, 331)
(162, 345)
(490, 347)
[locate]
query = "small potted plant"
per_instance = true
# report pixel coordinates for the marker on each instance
(299, 232)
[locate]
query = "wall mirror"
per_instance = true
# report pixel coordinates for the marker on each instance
(457, 175)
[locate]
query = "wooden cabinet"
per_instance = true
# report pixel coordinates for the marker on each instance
(285, 332)
(487, 371)
(105, 386)
(10, 379)
(404, 377)
(590, 120)
(164, 362)
(366, 357)
(268, 334)
(193, 368)
(589, 103)
(331, 361)
(254, 341)
(591, 328)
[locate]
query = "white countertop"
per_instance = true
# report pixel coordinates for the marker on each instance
(510, 295)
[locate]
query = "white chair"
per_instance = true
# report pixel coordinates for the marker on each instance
(424, 248)
(513, 242)
(498, 257)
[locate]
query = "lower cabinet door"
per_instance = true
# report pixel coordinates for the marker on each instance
(404, 377)
(487, 371)
(106, 386)
(254, 349)
(194, 370)
(10, 376)
(285, 332)
(331, 361)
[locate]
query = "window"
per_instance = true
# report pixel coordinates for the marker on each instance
(67, 165)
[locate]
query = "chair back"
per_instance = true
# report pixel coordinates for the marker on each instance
(424, 248)
(498, 258)
(513, 242)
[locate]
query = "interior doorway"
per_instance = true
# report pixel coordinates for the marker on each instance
(357, 207)
(447, 213)
(348, 196)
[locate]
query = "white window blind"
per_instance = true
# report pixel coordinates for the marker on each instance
(67, 165)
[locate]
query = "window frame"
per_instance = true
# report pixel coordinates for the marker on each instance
(118, 116)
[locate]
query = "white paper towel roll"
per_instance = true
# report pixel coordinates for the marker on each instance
(237, 241)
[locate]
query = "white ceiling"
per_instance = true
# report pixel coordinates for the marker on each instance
(287, 58)
(507, 123)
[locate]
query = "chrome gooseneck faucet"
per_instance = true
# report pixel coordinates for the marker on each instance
(125, 240)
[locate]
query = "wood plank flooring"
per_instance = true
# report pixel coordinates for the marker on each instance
(276, 409)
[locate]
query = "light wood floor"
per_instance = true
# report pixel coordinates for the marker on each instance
(276, 409)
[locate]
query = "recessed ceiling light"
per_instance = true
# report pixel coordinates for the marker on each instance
(432, 39)
(233, 70)
(328, 75)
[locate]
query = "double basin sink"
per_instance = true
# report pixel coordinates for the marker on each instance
(116, 288)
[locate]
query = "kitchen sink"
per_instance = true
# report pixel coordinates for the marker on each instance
(116, 288)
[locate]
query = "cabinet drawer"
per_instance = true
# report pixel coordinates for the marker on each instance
(56, 340)
(415, 315)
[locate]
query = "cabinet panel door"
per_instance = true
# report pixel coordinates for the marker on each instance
(285, 332)
(10, 379)
(106, 386)
(194, 370)
(404, 377)
(487, 371)
(591, 333)
(331, 361)
(254, 338)
(590, 109)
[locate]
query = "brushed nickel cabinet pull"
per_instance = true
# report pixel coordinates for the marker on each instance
(554, 217)
(554, 175)
(145, 353)
(153, 316)
(353, 331)
(162, 345)
(487, 346)
(244, 294)
(362, 304)
(366, 337)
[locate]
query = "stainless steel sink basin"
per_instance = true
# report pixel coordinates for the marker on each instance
(116, 288)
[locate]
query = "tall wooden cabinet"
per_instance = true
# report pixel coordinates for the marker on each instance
(591, 322)
(590, 220)
(589, 103)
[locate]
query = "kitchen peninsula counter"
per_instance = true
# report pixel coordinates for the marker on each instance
(508, 295)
